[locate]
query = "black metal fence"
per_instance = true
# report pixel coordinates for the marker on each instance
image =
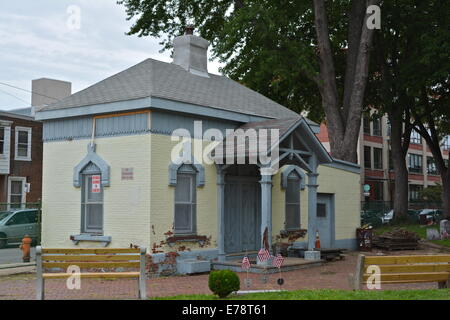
(372, 212)
(18, 220)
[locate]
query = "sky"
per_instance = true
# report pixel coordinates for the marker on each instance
(80, 41)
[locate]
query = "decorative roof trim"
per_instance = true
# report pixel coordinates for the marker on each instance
(344, 165)
(93, 157)
(287, 171)
(174, 167)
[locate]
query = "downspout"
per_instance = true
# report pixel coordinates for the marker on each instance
(93, 132)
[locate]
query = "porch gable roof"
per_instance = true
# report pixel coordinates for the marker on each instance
(287, 128)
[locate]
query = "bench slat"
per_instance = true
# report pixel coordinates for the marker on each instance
(415, 268)
(90, 250)
(97, 257)
(406, 281)
(93, 275)
(379, 260)
(65, 265)
(431, 276)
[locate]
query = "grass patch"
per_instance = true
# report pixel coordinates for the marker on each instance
(325, 294)
(445, 242)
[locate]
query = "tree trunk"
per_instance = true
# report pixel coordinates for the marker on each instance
(400, 169)
(343, 115)
(446, 194)
(431, 136)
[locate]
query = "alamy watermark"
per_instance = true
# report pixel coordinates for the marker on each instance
(374, 19)
(74, 280)
(249, 146)
(374, 279)
(73, 21)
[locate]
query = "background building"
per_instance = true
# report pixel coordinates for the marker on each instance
(375, 158)
(21, 146)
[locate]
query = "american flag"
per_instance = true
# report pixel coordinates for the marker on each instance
(263, 255)
(245, 263)
(277, 261)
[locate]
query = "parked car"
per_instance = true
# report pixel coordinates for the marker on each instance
(15, 224)
(427, 215)
(413, 216)
(387, 217)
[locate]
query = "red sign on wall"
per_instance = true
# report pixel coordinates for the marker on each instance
(96, 184)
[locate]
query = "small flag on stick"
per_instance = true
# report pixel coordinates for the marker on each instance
(263, 255)
(245, 263)
(278, 261)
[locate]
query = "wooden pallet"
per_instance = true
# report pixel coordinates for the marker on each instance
(390, 243)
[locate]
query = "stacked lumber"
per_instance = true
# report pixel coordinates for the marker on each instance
(397, 239)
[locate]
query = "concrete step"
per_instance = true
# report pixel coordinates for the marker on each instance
(289, 264)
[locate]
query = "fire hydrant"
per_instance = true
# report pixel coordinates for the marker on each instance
(25, 247)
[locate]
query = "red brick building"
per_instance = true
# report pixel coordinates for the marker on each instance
(21, 145)
(20, 158)
(374, 156)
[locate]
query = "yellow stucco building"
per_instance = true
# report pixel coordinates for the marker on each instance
(141, 159)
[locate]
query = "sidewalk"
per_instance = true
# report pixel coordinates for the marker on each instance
(330, 276)
(12, 254)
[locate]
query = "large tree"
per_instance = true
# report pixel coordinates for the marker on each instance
(432, 121)
(411, 83)
(310, 56)
(429, 84)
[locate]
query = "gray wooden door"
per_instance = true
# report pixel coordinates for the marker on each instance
(325, 219)
(242, 214)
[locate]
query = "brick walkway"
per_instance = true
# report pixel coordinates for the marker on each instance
(332, 275)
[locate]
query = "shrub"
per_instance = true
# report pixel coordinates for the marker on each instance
(223, 282)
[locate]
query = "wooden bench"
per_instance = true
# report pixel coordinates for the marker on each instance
(404, 269)
(110, 258)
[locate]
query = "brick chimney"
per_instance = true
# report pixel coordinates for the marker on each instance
(191, 53)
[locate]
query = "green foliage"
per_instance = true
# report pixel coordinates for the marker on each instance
(412, 51)
(223, 282)
(270, 46)
(432, 193)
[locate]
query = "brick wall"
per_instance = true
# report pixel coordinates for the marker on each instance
(32, 170)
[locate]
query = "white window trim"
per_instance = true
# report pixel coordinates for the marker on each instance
(6, 125)
(2, 150)
(24, 194)
(286, 203)
(84, 202)
(192, 202)
(16, 144)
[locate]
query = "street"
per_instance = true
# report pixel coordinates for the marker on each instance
(12, 254)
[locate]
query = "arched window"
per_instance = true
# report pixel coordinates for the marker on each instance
(185, 200)
(292, 220)
(91, 175)
(91, 200)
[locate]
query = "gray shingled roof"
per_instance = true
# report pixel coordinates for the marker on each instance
(283, 125)
(153, 78)
(232, 145)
